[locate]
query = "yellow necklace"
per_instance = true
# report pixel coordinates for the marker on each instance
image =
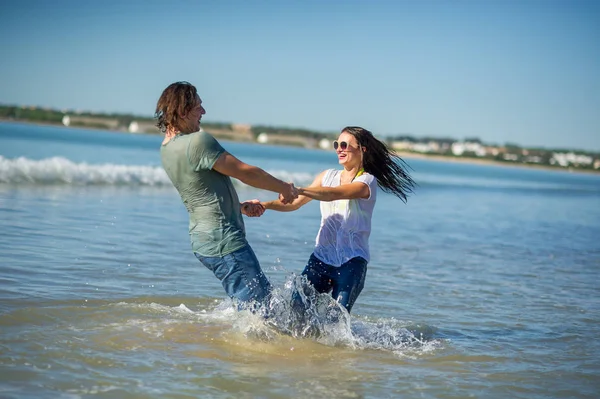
(360, 172)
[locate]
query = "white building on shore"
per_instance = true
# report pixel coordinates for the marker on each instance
(570, 158)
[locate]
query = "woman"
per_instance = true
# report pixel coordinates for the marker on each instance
(339, 261)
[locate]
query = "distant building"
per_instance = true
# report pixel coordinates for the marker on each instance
(134, 127)
(430, 146)
(460, 147)
(492, 150)
(91, 121)
(325, 144)
(143, 127)
(533, 159)
(298, 141)
(402, 145)
(263, 138)
(241, 127)
(570, 158)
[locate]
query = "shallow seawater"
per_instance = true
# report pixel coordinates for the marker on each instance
(161, 346)
(485, 284)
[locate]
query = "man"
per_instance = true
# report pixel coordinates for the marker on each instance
(200, 169)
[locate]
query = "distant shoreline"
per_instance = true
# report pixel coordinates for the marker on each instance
(402, 154)
(490, 162)
(92, 128)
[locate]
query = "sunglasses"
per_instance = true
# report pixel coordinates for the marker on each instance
(342, 145)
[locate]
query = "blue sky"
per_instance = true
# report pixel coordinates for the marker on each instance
(524, 72)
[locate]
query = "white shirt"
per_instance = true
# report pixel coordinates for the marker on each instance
(345, 224)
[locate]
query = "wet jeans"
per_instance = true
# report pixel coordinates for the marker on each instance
(240, 274)
(345, 282)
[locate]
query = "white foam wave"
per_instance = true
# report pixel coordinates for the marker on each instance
(59, 170)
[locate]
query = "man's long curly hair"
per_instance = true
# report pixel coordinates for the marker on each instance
(175, 101)
(383, 163)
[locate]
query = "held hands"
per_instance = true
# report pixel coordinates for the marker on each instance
(289, 195)
(252, 208)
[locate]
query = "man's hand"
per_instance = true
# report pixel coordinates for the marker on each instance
(252, 208)
(289, 195)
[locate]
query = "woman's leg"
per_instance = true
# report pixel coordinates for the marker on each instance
(348, 281)
(317, 274)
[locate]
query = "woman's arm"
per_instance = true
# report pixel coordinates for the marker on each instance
(346, 191)
(277, 205)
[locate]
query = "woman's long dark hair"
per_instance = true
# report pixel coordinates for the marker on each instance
(383, 163)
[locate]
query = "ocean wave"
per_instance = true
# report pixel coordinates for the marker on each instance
(59, 170)
(62, 171)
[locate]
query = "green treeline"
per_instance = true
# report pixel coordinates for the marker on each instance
(30, 114)
(111, 121)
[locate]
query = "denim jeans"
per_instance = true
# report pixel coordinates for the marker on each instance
(240, 274)
(345, 282)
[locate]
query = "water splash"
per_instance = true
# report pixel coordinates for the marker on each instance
(297, 310)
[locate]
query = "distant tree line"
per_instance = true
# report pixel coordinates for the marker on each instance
(122, 121)
(53, 116)
(30, 114)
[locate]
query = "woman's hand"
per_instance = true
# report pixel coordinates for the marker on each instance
(252, 208)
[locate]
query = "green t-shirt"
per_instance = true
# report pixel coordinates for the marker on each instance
(216, 224)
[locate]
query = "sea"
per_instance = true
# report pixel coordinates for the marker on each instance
(485, 284)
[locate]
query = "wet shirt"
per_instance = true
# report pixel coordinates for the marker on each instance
(345, 224)
(216, 225)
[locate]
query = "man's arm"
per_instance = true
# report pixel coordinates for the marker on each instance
(277, 205)
(254, 176)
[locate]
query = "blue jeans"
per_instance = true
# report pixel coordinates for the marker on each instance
(240, 274)
(345, 282)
